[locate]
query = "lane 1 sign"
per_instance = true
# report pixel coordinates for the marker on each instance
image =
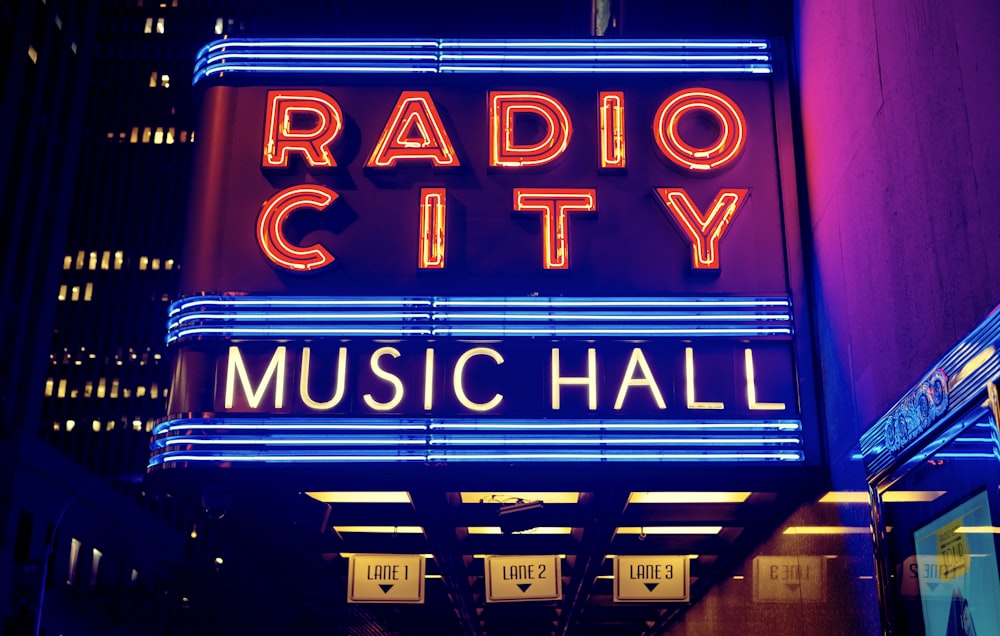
(385, 578)
(652, 578)
(523, 578)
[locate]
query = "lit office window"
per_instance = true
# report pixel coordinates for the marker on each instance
(96, 426)
(49, 387)
(155, 264)
(170, 135)
(95, 565)
(143, 262)
(74, 293)
(58, 22)
(147, 134)
(72, 47)
(114, 387)
(109, 426)
(184, 136)
(160, 26)
(56, 426)
(70, 425)
(61, 391)
(149, 26)
(140, 391)
(119, 259)
(165, 81)
(137, 427)
(80, 257)
(67, 262)
(88, 389)
(88, 292)
(62, 292)
(218, 26)
(168, 264)
(152, 79)
(92, 261)
(102, 387)
(32, 54)
(158, 135)
(74, 555)
(134, 139)
(149, 426)
(106, 256)
(154, 390)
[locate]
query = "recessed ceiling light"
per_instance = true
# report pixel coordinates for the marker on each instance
(669, 530)
(827, 530)
(687, 497)
(540, 530)
(380, 529)
(362, 496)
(509, 497)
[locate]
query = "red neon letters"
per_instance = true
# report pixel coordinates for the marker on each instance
(414, 132)
(554, 204)
(272, 217)
(504, 108)
(704, 230)
(726, 148)
(285, 134)
(309, 122)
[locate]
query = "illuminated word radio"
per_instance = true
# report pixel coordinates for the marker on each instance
(388, 380)
(309, 123)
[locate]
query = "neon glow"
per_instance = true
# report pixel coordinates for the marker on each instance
(281, 138)
(703, 230)
(430, 254)
(271, 237)
(555, 206)
(720, 57)
(692, 402)
(726, 148)
(414, 132)
(504, 109)
(752, 402)
(612, 129)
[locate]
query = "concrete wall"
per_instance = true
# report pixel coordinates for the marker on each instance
(899, 115)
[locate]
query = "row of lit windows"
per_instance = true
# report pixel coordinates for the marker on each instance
(162, 4)
(73, 293)
(155, 25)
(151, 135)
(102, 389)
(107, 260)
(97, 426)
(142, 358)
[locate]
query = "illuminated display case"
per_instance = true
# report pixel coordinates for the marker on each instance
(463, 251)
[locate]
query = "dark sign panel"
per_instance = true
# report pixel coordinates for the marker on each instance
(406, 250)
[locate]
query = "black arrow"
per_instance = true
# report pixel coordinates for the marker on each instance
(385, 587)
(524, 586)
(792, 586)
(652, 586)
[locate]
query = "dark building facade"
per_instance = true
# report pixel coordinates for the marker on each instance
(893, 138)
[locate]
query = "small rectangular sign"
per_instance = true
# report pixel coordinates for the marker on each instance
(789, 579)
(523, 578)
(651, 578)
(385, 578)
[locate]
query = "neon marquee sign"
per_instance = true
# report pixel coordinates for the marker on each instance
(472, 251)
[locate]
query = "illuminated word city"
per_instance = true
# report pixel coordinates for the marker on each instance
(308, 124)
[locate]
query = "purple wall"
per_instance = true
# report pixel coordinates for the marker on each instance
(899, 103)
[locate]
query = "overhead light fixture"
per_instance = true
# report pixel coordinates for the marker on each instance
(646, 530)
(893, 496)
(536, 530)
(687, 497)
(803, 530)
(504, 497)
(520, 516)
(380, 529)
(977, 530)
(362, 496)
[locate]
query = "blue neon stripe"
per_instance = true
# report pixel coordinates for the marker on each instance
(274, 317)
(274, 56)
